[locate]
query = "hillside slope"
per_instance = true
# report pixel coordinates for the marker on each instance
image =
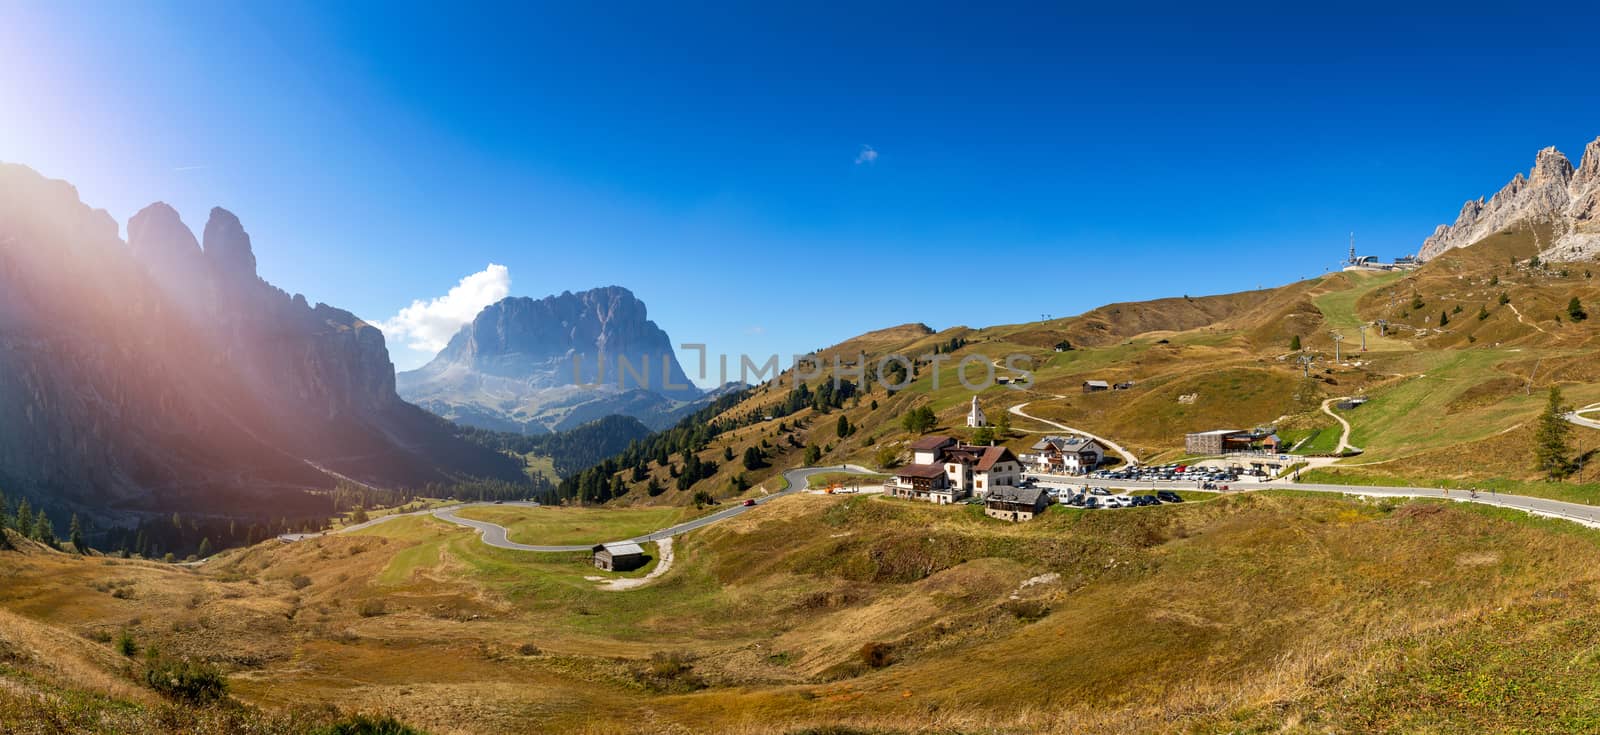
(1458, 356)
(1257, 613)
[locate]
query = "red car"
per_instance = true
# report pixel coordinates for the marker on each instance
(751, 501)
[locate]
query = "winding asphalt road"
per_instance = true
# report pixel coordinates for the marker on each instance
(1588, 515)
(1577, 417)
(495, 535)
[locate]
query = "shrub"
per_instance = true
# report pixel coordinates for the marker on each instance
(877, 655)
(185, 681)
(528, 649)
(1026, 610)
(372, 609)
(669, 665)
(669, 672)
(365, 725)
(887, 456)
(299, 581)
(126, 645)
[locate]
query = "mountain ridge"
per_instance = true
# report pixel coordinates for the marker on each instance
(533, 365)
(1553, 192)
(165, 373)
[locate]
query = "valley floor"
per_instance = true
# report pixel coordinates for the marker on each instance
(1277, 611)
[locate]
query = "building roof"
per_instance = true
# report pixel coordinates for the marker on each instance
(1219, 432)
(1009, 494)
(1097, 383)
(921, 470)
(992, 455)
(931, 442)
(620, 548)
(1066, 443)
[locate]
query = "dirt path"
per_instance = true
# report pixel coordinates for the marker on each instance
(1344, 437)
(1520, 320)
(625, 584)
(1127, 456)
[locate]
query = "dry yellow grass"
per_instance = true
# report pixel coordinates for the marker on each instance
(1258, 610)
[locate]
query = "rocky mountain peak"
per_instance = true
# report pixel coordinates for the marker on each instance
(227, 245)
(525, 363)
(1553, 193)
(158, 233)
(1550, 165)
(1588, 172)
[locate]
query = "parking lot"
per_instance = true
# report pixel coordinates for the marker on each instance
(1200, 477)
(1095, 498)
(1141, 486)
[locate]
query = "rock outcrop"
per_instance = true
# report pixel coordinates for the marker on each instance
(160, 375)
(528, 364)
(1554, 193)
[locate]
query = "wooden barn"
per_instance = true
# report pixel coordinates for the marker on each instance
(620, 556)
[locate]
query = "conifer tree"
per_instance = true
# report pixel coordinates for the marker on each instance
(75, 535)
(43, 530)
(24, 518)
(205, 548)
(1550, 450)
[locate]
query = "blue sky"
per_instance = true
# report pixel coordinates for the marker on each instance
(1026, 160)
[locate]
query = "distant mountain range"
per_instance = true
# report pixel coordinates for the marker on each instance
(163, 373)
(1557, 198)
(537, 365)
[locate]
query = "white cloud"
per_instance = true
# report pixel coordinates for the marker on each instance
(429, 325)
(756, 330)
(868, 154)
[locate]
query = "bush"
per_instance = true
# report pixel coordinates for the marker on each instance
(669, 672)
(669, 665)
(299, 581)
(877, 655)
(372, 609)
(364, 725)
(185, 681)
(1026, 610)
(888, 457)
(528, 649)
(126, 645)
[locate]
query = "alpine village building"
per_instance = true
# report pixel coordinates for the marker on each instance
(1016, 503)
(618, 556)
(1066, 455)
(945, 471)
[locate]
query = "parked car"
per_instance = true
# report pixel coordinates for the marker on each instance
(1091, 503)
(1099, 491)
(1169, 496)
(749, 502)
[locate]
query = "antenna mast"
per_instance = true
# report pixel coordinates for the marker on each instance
(1352, 260)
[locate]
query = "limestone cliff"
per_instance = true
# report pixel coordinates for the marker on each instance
(1553, 193)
